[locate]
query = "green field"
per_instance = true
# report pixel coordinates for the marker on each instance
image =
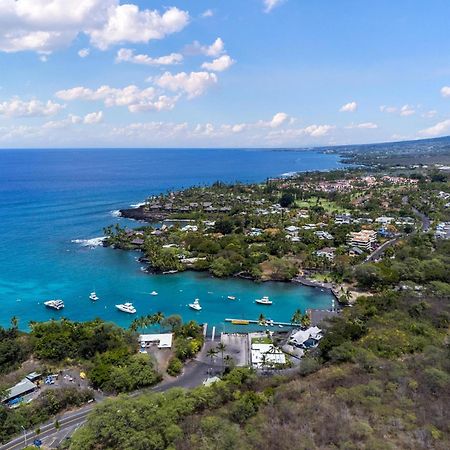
(327, 205)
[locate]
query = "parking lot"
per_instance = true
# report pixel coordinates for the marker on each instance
(237, 348)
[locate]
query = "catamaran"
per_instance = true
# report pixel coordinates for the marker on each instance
(195, 305)
(126, 308)
(93, 296)
(263, 301)
(54, 304)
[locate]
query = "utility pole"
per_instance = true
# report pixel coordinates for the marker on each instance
(24, 435)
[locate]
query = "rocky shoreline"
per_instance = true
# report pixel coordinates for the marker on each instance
(143, 214)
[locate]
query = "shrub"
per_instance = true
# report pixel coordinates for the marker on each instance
(175, 366)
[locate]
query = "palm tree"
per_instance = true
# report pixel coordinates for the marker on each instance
(158, 317)
(135, 325)
(297, 317)
(14, 322)
(228, 360)
(348, 294)
(212, 352)
(263, 361)
(221, 347)
(261, 319)
(305, 321)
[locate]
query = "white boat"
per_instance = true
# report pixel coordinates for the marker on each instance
(126, 308)
(231, 297)
(195, 305)
(153, 293)
(263, 301)
(93, 296)
(54, 304)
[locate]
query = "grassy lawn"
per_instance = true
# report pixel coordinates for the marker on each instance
(326, 204)
(261, 340)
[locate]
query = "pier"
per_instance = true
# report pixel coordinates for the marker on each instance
(257, 322)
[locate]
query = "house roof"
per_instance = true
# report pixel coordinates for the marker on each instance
(21, 388)
(164, 339)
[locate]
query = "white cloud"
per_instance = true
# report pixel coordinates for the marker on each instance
(317, 130)
(271, 4)
(93, 117)
(83, 52)
(445, 91)
(388, 109)
(407, 110)
(220, 64)
(349, 107)
(131, 96)
(71, 119)
(213, 50)
(128, 55)
(430, 114)
(46, 25)
(207, 13)
(32, 108)
(193, 83)
(278, 119)
(439, 129)
(363, 126)
(126, 23)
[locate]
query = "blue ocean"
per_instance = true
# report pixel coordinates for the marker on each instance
(54, 202)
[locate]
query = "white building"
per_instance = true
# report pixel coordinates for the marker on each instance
(327, 252)
(364, 239)
(265, 355)
(384, 220)
(163, 340)
(306, 338)
(323, 235)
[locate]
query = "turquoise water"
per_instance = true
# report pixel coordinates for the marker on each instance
(52, 201)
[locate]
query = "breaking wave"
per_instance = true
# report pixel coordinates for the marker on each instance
(91, 243)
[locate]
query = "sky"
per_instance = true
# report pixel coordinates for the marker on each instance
(222, 73)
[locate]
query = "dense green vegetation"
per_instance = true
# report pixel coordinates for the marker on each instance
(380, 379)
(14, 348)
(272, 231)
(40, 410)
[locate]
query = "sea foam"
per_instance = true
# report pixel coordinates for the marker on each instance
(91, 243)
(137, 205)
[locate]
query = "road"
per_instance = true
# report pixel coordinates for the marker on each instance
(426, 222)
(194, 374)
(380, 250)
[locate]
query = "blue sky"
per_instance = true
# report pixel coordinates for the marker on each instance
(222, 73)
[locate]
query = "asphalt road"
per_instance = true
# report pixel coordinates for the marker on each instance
(194, 374)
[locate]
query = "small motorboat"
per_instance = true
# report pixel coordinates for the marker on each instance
(231, 297)
(93, 296)
(195, 305)
(126, 308)
(153, 293)
(54, 304)
(263, 301)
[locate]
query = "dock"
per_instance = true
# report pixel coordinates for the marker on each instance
(256, 322)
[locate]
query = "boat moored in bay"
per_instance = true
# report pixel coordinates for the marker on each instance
(195, 305)
(54, 304)
(263, 301)
(126, 308)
